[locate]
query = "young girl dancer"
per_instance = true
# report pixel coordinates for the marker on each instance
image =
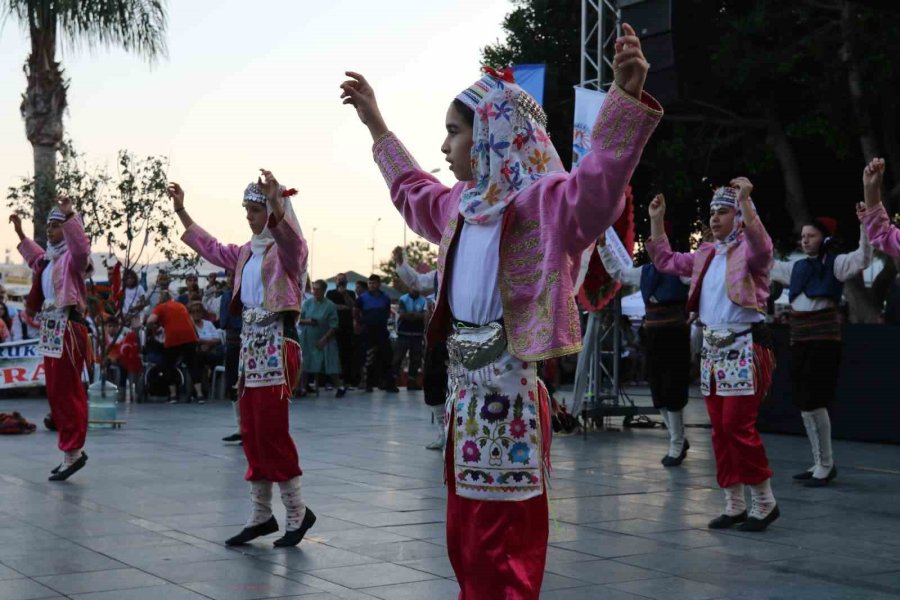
(730, 288)
(882, 234)
(267, 294)
(816, 286)
(59, 297)
(511, 234)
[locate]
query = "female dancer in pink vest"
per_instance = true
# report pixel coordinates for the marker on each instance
(511, 234)
(730, 288)
(267, 294)
(882, 234)
(59, 298)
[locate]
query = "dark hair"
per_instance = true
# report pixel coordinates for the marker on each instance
(829, 242)
(320, 283)
(6, 318)
(464, 111)
(196, 306)
(374, 278)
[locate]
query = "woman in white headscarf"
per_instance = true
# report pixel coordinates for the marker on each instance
(268, 271)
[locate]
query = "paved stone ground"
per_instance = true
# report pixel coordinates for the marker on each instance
(146, 518)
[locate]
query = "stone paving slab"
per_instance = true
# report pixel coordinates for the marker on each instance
(147, 517)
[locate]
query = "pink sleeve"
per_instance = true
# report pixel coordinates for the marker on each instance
(760, 255)
(666, 261)
(31, 252)
(77, 242)
(292, 249)
(882, 235)
(423, 201)
(221, 255)
(594, 193)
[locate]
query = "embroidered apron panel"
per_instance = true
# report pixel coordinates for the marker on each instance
(262, 344)
(53, 330)
(497, 431)
(727, 358)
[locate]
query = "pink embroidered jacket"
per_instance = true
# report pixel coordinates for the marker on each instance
(283, 264)
(544, 231)
(69, 270)
(882, 235)
(748, 265)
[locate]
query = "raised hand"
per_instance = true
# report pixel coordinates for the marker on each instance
(65, 204)
(357, 92)
(873, 174)
(175, 192)
(16, 221)
(744, 187)
(270, 186)
(629, 65)
(657, 208)
(860, 211)
(397, 255)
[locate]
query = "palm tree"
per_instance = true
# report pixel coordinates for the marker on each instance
(136, 25)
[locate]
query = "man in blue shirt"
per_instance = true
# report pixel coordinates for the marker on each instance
(373, 309)
(412, 314)
(232, 325)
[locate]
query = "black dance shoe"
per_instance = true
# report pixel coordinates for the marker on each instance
(756, 525)
(292, 538)
(61, 474)
(816, 482)
(251, 533)
(725, 521)
(804, 476)
(674, 461)
(234, 437)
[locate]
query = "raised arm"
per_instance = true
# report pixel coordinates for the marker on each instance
(77, 242)
(760, 251)
(882, 235)
(409, 276)
(291, 246)
(421, 199)
(852, 263)
(658, 247)
(624, 274)
(28, 248)
(221, 255)
(781, 271)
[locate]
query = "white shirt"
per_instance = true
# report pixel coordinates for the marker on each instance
(716, 308)
(625, 275)
(474, 292)
(47, 283)
(845, 267)
(133, 297)
(206, 331)
(251, 282)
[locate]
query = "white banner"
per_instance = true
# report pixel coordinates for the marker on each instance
(587, 107)
(21, 365)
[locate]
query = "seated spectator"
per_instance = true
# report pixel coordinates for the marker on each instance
(122, 350)
(6, 324)
(191, 287)
(180, 345)
(210, 350)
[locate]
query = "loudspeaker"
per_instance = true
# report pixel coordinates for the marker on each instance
(665, 34)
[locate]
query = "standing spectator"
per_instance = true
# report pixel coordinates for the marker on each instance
(212, 297)
(6, 324)
(192, 288)
(134, 299)
(319, 318)
(180, 344)
(232, 325)
(163, 284)
(412, 314)
(344, 300)
(210, 352)
(373, 310)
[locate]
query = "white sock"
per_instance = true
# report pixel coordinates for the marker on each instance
(676, 433)
(735, 503)
(260, 502)
(71, 456)
(762, 500)
(237, 414)
(809, 423)
(665, 416)
(823, 430)
(293, 503)
(439, 422)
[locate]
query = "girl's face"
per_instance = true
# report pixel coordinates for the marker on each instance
(457, 146)
(54, 232)
(811, 240)
(721, 222)
(256, 216)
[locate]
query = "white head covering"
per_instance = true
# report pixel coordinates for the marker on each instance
(728, 197)
(259, 242)
(56, 250)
